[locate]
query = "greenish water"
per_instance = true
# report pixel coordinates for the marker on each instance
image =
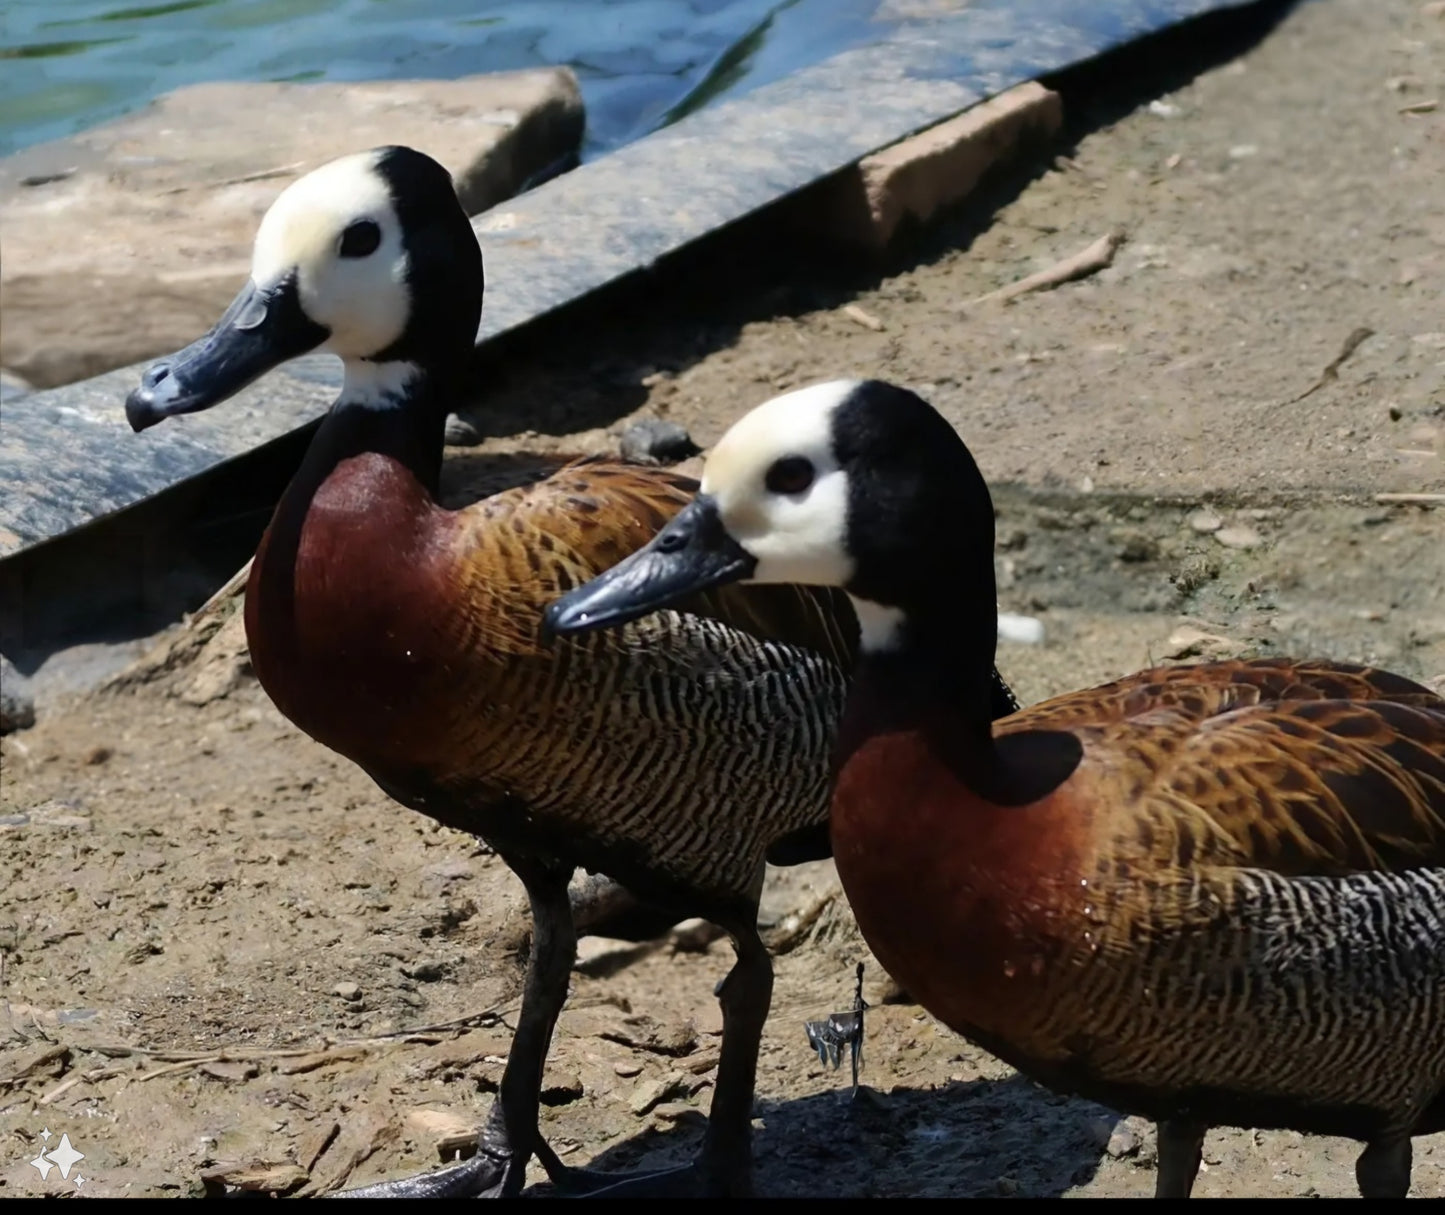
(68, 64)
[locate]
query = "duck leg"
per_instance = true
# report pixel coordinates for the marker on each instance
(1181, 1147)
(1383, 1169)
(723, 1169)
(510, 1136)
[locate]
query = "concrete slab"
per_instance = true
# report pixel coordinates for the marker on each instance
(169, 198)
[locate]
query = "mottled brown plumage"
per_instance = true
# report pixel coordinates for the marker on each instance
(407, 637)
(1206, 894)
(1245, 854)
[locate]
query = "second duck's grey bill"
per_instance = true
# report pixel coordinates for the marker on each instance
(259, 331)
(692, 553)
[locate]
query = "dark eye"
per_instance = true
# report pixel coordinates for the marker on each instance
(790, 475)
(360, 239)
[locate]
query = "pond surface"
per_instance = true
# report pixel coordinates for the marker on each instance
(68, 64)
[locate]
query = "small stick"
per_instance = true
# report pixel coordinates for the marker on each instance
(1085, 262)
(233, 584)
(1413, 499)
(183, 1065)
(1331, 373)
(261, 175)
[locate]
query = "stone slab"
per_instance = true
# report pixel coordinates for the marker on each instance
(918, 176)
(67, 456)
(127, 241)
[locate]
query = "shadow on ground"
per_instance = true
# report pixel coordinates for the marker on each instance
(964, 1139)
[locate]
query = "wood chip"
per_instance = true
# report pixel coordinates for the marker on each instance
(232, 1071)
(309, 1063)
(1190, 642)
(866, 319)
(1091, 260)
(313, 1144)
(47, 1061)
(651, 1093)
(256, 1176)
(1413, 499)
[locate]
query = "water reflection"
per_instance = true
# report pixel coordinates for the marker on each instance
(642, 63)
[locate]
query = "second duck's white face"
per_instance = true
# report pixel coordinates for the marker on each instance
(337, 230)
(779, 489)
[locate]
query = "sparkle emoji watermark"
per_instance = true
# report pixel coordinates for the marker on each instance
(63, 1158)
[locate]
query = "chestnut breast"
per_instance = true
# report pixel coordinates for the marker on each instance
(347, 612)
(979, 910)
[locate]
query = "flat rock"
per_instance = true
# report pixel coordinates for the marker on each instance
(88, 286)
(937, 168)
(1239, 536)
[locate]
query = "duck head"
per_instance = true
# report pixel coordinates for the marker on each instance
(370, 257)
(860, 485)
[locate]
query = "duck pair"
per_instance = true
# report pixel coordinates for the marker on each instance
(679, 751)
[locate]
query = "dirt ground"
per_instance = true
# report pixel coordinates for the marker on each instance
(222, 946)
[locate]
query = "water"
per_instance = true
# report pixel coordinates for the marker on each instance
(68, 64)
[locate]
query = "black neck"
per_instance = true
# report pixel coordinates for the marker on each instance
(942, 660)
(410, 431)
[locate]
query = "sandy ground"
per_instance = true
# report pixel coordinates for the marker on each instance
(220, 944)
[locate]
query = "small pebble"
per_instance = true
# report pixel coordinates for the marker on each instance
(425, 972)
(1025, 630)
(657, 441)
(98, 755)
(1238, 536)
(1124, 1141)
(627, 1069)
(1205, 521)
(347, 991)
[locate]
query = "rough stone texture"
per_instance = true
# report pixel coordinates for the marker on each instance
(128, 240)
(17, 708)
(935, 168)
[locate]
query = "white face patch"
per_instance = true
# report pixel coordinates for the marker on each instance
(798, 537)
(363, 301)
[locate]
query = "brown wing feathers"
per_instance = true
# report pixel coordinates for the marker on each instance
(1293, 768)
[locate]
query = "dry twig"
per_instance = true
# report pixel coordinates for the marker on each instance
(1088, 261)
(1413, 499)
(1331, 373)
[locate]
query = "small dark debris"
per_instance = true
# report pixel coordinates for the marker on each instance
(45, 179)
(828, 1038)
